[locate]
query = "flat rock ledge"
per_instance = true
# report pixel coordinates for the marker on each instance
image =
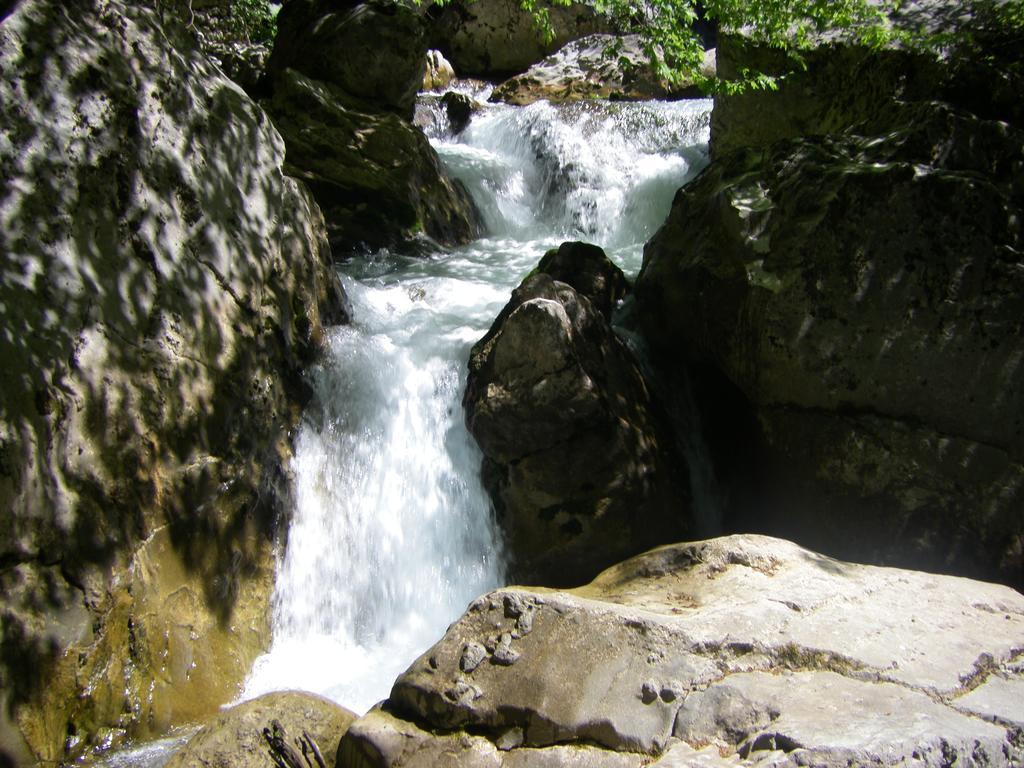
(742, 650)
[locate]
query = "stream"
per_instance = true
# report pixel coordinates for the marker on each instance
(393, 534)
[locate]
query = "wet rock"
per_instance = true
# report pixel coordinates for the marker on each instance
(459, 108)
(772, 655)
(589, 271)
(439, 72)
(374, 53)
(235, 737)
(169, 283)
(375, 176)
(575, 457)
(863, 295)
(597, 66)
(492, 38)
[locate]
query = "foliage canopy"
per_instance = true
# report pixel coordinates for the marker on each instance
(668, 28)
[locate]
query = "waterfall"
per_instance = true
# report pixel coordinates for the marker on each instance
(393, 534)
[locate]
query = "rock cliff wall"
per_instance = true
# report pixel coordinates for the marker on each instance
(849, 269)
(163, 283)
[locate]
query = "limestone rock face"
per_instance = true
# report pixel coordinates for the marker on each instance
(598, 66)
(373, 51)
(163, 282)
(235, 737)
(375, 176)
(494, 38)
(744, 650)
(575, 458)
(859, 291)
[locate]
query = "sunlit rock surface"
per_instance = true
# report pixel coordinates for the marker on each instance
(494, 38)
(744, 650)
(235, 736)
(595, 67)
(162, 284)
(581, 470)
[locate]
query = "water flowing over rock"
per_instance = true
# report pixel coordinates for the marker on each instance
(235, 737)
(163, 283)
(761, 651)
(344, 83)
(595, 67)
(860, 294)
(494, 38)
(579, 468)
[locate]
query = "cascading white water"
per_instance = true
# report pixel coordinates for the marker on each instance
(392, 535)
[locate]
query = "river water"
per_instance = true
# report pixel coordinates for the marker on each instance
(393, 534)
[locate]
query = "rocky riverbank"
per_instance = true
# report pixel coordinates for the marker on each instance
(744, 650)
(841, 291)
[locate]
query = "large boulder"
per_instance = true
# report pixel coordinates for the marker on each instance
(375, 52)
(344, 80)
(376, 177)
(495, 38)
(979, 64)
(764, 652)
(235, 35)
(577, 460)
(852, 304)
(235, 737)
(163, 284)
(598, 66)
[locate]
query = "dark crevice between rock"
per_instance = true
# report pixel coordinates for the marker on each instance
(769, 742)
(516, 728)
(985, 666)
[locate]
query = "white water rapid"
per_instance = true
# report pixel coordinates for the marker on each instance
(392, 534)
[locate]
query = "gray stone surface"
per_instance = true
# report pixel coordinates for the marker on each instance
(998, 698)
(494, 38)
(597, 66)
(162, 284)
(765, 652)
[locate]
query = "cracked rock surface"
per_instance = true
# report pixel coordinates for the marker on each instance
(742, 650)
